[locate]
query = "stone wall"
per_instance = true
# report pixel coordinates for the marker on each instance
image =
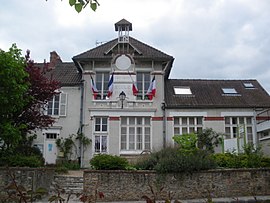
(132, 185)
(30, 178)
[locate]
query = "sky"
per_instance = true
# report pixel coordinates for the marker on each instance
(209, 39)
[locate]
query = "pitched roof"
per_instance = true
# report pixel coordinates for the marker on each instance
(66, 73)
(209, 94)
(144, 51)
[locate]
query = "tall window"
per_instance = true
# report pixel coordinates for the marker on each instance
(57, 105)
(143, 82)
(235, 126)
(183, 125)
(135, 133)
(102, 80)
(101, 134)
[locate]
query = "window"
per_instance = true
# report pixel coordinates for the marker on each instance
(101, 136)
(100, 143)
(51, 136)
(184, 125)
(248, 85)
(242, 126)
(102, 80)
(143, 82)
(135, 133)
(229, 91)
(182, 90)
(101, 124)
(57, 105)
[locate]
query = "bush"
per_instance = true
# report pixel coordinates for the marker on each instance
(21, 161)
(108, 162)
(172, 160)
(252, 160)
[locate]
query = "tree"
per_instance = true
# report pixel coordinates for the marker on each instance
(24, 93)
(208, 139)
(81, 4)
(13, 87)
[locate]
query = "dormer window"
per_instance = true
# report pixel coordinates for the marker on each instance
(182, 91)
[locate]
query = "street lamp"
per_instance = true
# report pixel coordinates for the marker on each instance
(122, 97)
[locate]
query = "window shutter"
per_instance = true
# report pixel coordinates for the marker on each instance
(63, 104)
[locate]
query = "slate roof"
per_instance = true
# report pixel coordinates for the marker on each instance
(145, 52)
(66, 73)
(209, 94)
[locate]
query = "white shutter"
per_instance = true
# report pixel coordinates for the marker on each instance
(63, 104)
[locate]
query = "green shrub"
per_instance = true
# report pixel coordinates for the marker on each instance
(108, 162)
(21, 161)
(170, 160)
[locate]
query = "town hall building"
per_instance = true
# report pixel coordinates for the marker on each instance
(120, 96)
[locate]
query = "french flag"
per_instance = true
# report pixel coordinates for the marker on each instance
(110, 87)
(151, 92)
(135, 89)
(94, 88)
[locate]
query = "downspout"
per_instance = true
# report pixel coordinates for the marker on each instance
(81, 122)
(255, 137)
(81, 155)
(163, 107)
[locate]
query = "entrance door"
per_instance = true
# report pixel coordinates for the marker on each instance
(50, 149)
(50, 152)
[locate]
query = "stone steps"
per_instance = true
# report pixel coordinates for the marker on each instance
(70, 184)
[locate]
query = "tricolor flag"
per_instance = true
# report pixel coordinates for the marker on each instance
(94, 88)
(134, 89)
(151, 92)
(110, 87)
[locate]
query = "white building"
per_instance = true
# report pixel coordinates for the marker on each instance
(130, 124)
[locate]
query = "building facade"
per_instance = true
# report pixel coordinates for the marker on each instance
(120, 96)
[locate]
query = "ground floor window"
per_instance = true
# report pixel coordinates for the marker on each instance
(100, 143)
(184, 125)
(135, 133)
(239, 126)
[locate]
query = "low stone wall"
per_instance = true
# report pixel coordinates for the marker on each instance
(30, 178)
(132, 185)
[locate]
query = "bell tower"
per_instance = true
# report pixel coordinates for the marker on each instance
(123, 27)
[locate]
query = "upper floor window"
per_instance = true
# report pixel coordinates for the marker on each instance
(248, 85)
(182, 90)
(229, 91)
(57, 105)
(101, 124)
(143, 82)
(102, 80)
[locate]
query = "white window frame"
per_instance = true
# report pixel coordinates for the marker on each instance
(135, 142)
(185, 122)
(229, 90)
(143, 84)
(232, 124)
(102, 81)
(60, 104)
(101, 134)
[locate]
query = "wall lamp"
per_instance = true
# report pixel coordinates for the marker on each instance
(122, 97)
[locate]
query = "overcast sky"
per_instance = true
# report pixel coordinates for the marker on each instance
(209, 39)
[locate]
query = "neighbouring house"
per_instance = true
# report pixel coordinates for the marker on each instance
(120, 96)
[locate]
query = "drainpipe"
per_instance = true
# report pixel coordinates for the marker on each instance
(255, 137)
(81, 155)
(163, 107)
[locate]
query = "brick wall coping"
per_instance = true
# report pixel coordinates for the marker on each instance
(26, 169)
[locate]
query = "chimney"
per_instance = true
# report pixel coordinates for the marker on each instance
(54, 59)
